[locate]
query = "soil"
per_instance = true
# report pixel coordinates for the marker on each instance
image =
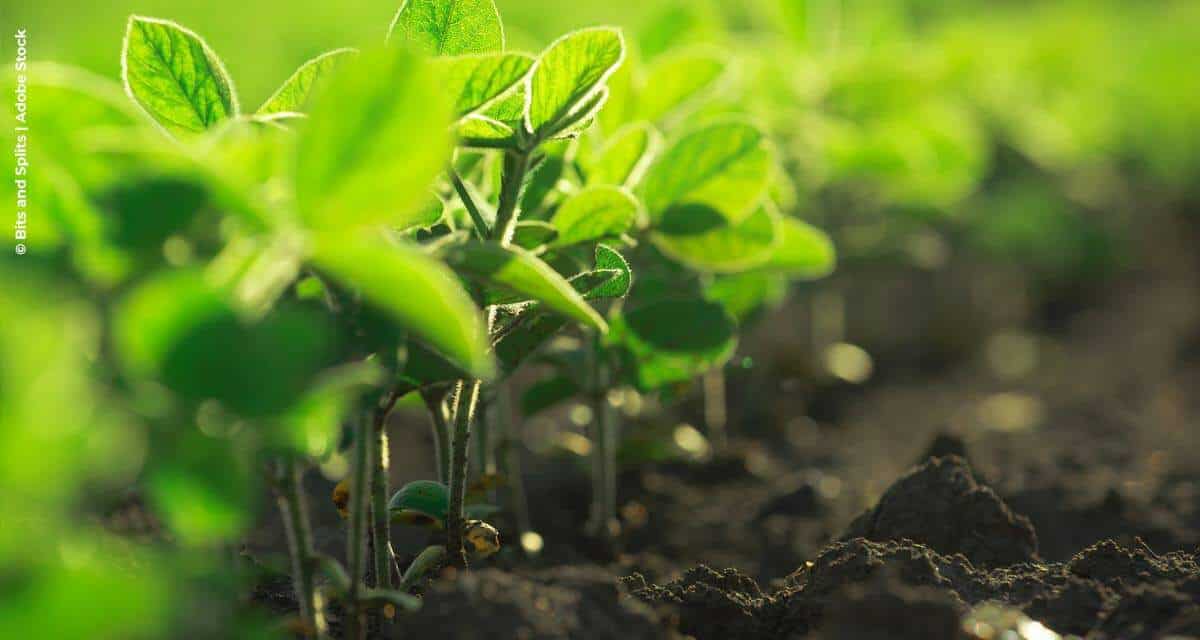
(942, 499)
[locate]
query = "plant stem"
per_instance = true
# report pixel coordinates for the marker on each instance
(715, 408)
(512, 178)
(382, 536)
(434, 402)
(466, 394)
(603, 522)
(482, 438)
(481, 228)
(360, 479)
(293, 507)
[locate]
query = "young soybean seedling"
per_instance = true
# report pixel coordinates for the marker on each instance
(326, 238)
(704, 215)
(515, 109)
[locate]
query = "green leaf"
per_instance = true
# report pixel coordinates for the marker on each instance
(424, 367)
(294, 94)
(521, 272)
(178, 330)
(742, 294)
(418, 291)
(672, 341)
(724, 166)
(173, 74)
(376, 139)
(480, 131)
(611, 277)
(475, 80)
(570, 72)
(202, 487)
(803, 251)
(593, 214)
(580, 119)
(623, 159)
(672, 82)
(534, 234)
(517, 345)
(449, 27)
(703, 239)
(422, 497)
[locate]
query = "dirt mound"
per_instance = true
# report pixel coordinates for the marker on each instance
(1106, 591)
(940, 504)
(565, 602)
(937, 544)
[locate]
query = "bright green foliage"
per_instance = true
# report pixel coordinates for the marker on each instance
(294, 94)
(674, 81)
(744, 294)
(594, 214)
(178, 330)
(371, 147)
(802, 251)
(673, 340)
(569, 73)
(480, 130)
(703, 239)
(475, 80)
(614, 265)
(724, 166)
(418, 291)
(174, 75)
(205, 494)
(534, 234)
(624, 158)
(522, 273)
(449, 27)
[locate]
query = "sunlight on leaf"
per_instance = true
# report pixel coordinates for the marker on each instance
(674, 81)
(376, 138)
(622, 161)
(521, 272)
(449, 27)
(703, 239)
(475, 80)
(569, 72)
(724, 166)
(415, 289)
(174, 75)
(294, 94)
(593, 214)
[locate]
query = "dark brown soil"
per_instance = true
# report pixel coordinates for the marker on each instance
(923, 577)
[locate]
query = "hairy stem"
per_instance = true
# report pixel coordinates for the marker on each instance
(434, 402)
(293, 507)
(360, 480)
(460, 187)
(512, 178)
(482, 437)
(466, 394)
(382, 536)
